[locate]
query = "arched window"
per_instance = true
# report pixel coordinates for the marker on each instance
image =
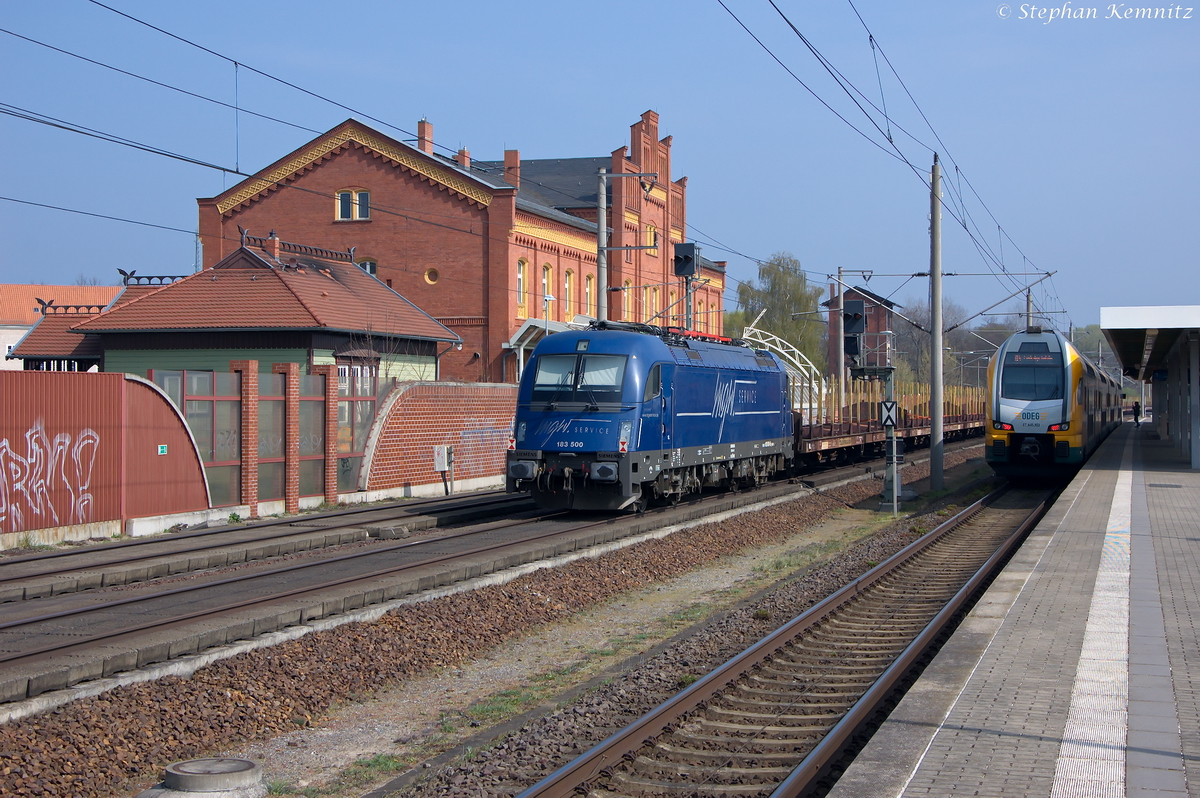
(568, 293)
(645, 303)
(626, 301)
(352, 204)
(653, 303)
(652, 239)
(714, 321)
(700, 320)
(547, 288)
(369, 265)
(674, 311)
(522, 288)
(589, 297)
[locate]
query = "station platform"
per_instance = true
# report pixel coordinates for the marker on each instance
(1078, 673)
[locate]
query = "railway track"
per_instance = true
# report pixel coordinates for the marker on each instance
(71, 637)
(82, 568)
(75, 569)
(773, 720)
(66, 639)
(98, 619)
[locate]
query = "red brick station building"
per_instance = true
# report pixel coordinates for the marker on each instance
(479, 245)
(363, 303)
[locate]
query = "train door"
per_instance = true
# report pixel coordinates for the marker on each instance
(653, 411)
(668, 405)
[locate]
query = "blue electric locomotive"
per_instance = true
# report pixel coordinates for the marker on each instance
(617, 414)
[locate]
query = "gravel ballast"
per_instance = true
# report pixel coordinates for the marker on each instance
(113, 744)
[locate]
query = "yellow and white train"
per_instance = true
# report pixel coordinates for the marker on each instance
(1048, 406)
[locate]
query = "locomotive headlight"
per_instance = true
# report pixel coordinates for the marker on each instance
(1063, 427)
(625, 430)
(1001, 425)
(521, 431)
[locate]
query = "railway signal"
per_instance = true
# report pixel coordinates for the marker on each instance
(854, 316)
(685, 259)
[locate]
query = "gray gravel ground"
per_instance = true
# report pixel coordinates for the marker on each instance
(117, 743)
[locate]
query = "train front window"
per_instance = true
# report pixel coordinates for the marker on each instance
(555, 377)
(1032, 377)
(601, 377)
(579, 378)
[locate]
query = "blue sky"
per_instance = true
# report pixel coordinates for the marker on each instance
(1078, 134)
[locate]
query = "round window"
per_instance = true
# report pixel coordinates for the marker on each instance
(431, 276)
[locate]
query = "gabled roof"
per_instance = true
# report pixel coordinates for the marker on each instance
(249, 291)
(19, 303)
(52, 338)
(438, 171)
(559, 182)
(865, 294)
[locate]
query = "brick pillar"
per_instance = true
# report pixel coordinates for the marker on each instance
(249, 372)
(291, 434)
(331, 416)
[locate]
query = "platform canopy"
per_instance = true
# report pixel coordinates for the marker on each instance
(1160, 345)
(1143, 337)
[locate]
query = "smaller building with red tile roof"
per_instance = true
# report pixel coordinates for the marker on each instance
(21, 308)
(270, 301)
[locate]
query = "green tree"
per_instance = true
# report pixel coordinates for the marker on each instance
(1092, 343)
(782, 290)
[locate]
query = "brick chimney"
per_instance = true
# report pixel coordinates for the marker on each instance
(512, 167)
(273, 245)
(425, 136)
(463, 158)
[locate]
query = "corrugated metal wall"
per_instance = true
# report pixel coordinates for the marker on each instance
(77, 448)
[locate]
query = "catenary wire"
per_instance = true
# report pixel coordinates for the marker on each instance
(128, 142)
(236, 171)
(159, 83)
(267, 75)
(963, 216)
(941, 143)
(352, 110)
(847, 86)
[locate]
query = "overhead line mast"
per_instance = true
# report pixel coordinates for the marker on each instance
(936, 420)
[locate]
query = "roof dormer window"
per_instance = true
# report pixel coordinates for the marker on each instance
(352, 205)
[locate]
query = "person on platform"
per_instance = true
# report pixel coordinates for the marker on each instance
(1137, 414)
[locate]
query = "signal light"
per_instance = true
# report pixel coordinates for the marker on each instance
(685, 259)
(854, 316)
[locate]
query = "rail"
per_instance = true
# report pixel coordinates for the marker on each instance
(602, 762)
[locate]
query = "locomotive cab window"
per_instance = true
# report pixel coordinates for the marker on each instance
(1032, 377)
(601, 377)
(579, 378)
(653, 383)
(554, 373)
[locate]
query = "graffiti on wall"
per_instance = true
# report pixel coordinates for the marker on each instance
(50, 485)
